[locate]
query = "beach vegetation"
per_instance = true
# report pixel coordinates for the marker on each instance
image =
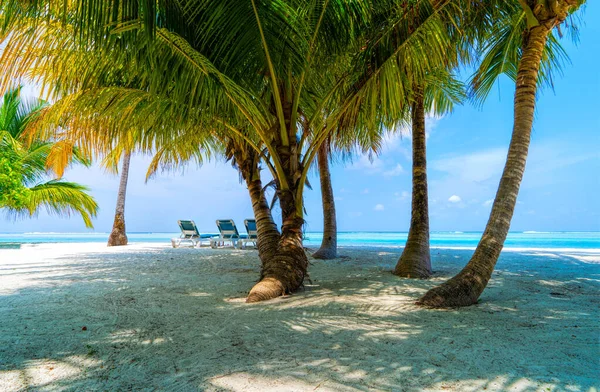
(269, 88)
(522, 44)
(118, 234)
(279, 85)
(29, 182)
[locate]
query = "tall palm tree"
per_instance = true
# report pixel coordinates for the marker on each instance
(27, 164)
(532, 24)
(248, 162)
(328, 249)
(437, 94)
(228, 60)
(118, 235)
(415, 260)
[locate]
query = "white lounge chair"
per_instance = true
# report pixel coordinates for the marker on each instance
(189, 234)
(228, 233)
(252, 236)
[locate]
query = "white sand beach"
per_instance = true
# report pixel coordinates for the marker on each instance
(83, 317)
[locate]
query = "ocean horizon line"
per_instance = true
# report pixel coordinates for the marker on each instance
(307, 232)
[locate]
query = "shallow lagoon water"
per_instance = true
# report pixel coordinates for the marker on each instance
(459, 240)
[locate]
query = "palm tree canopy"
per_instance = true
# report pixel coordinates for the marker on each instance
(501, 47)
(26, 164)
(245, 63)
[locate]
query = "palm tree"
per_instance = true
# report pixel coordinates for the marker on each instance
(228, 61)
(328, 249)
(26, 166)
(415, 260)
(437, 94)
(248, 162)
(528, 63)
(118, 235)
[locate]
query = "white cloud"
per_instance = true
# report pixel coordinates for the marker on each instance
(476, 167)
(394, 172)
(401, 196)
(369, 165)
(375, 165)
(337, 198)
(488, 203)
(365, 191)
(396, 140)
(454, 199)
(379, 207)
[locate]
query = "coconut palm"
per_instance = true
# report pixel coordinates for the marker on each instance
(118, 235)
(228, 61)
(328, 248)
(521, 44)
(437, 95)
(27, 164)
(415, 261)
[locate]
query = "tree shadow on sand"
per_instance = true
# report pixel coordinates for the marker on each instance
(174, 320)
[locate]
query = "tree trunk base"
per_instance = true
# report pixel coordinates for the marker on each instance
(282, 273)
(326, 253)
(267, 288)
(413, 265)
(118, 237)
(462, 290)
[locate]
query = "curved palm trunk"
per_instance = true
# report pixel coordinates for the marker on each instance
(415, 261)
(118, 236)
(328, 249)
(268, 235)
(248, 162)
(465, 288)
(284, 270)
(283, 261)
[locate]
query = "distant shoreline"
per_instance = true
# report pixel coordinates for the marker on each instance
(371, 247)
(308, 232)
(515, 241)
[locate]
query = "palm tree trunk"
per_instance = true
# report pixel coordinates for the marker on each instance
(328, 249)
(415, 260)
(118, 236)
(284, 271)
(248, 163)
(465, 288)
(268, 235)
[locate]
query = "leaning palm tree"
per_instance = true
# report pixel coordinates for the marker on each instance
(227, 61)
(437, 95)
(328, 248)
(27, 164)
(522, 45)
(415, 261)
(118, 235)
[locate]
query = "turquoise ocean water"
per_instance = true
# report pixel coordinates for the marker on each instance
(527, 239)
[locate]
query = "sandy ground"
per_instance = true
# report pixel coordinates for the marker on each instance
(82, 317)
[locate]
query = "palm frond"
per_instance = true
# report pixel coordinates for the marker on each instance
(59, 198)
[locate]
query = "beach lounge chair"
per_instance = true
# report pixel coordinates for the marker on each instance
(228, 233)
(189, 234)
(252, 233)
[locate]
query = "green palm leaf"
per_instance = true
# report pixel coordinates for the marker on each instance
(61, 198)
(25, 163)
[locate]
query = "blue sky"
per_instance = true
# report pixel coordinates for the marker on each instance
(466, 151)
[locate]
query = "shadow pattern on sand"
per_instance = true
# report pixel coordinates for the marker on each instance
(174, 320)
